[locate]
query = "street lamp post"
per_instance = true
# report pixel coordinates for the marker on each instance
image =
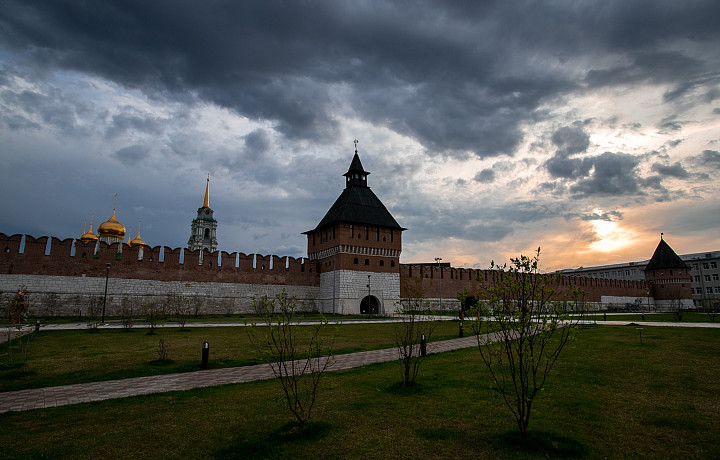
(438, 259)
(368, 297)
(107, 275)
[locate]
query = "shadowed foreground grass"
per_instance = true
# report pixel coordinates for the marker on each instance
(608, 397)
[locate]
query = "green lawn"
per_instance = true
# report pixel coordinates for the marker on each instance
(687, 317)
(608, 397)
(67, 357)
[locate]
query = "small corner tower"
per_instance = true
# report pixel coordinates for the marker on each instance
(356, 250)
(669, 278)
(204, 226)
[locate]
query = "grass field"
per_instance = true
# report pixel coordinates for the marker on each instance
(78, 356)
(609, 397)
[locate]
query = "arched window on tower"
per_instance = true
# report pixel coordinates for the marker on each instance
(207, 233)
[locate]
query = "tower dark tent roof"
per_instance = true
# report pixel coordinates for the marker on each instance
(664, 257)
(357, 204)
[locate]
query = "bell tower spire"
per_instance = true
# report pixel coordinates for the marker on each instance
(204, 227)
(206, 203)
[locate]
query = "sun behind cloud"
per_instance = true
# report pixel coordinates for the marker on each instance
(610, 236)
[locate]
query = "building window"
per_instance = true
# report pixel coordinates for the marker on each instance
(391, 235)
(367, 261)
(382, 263)
(709, 290)
(697, 279)
(392, 264)
(367, 233)
(706, 265)
(377, 234)
(694, 266)
(351, 232)
(716, 277)
(627, 272)
(713, 264)
(355, 261)
(707, 277)
(717, 290)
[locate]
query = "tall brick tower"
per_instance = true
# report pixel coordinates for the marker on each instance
(356, 249)
(669, 278)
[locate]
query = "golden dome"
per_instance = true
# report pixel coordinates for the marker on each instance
(112, 228)
(137, 240)
(89, 236)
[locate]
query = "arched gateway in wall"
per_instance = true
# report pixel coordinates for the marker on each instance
(370, 305)
(356, 249)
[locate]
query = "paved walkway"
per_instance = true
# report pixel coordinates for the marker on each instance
(39, 398)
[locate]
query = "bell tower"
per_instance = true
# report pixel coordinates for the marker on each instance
(356, 250)
(204, 226)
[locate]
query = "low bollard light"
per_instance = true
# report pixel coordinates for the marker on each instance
(37, 326)
(206, 356)
(423, 345)
(462, 332)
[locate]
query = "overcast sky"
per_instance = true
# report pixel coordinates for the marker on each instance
(489, 128)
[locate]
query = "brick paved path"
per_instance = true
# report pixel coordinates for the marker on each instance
(39, 398)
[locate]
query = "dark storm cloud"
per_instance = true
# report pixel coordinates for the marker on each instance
(133, 154)
(122, 123)
(54, 109)
(674, 170)
(476, 221)
(609, 216)
(485, 176)
(709, 159)
(457, 77)
(653, 67)
(569, 140)
(614, 174)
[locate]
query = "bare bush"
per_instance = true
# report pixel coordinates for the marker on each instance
(152, 312)
(298, 354)
(93, 309)
(179, 307)
(414, 323)
(163, 351)
(128, 311)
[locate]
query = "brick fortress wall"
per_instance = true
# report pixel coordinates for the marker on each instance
(70, 270)
(445, 283)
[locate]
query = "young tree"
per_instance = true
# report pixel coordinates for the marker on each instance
(533, 321)
(128, 310)
(298, 354)
(414, 322)
(179, 307)
(93, 306)
(17, 313)
(152, 311)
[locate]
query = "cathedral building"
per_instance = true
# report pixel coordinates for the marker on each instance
(356, 250)
(204, 227)
(111, 231)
